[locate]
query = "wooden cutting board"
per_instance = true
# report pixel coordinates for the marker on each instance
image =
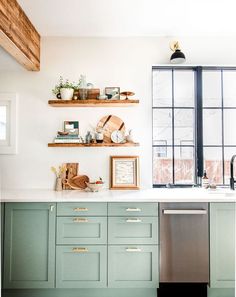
(108, 124)
(71, 171)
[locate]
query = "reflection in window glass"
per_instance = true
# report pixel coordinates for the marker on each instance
(184, 90)
(211, 88)
(184, 165)
(213, 164)
(162, 165)
(212, 127)
(162, 88)
(229, 88)
(184, 123)
(229, 126)
(162, 126)
(3, 122)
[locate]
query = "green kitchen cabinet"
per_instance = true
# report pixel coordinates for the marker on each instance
(81, 266)
(132, 230)
(133, 266)
(81, 230)
(29, 245)
(222, 245)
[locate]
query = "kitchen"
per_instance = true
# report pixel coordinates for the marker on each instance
(134, 58)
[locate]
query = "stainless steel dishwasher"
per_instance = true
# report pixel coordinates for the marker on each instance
(184, 243)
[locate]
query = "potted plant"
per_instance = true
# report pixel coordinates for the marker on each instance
(64, 89)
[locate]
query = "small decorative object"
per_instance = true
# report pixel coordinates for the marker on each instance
(75, 97)
(177, 57)
(95, 186)
(129, 137)
(72, 127)
(83, 90)
(59, 173)
(113, 93)
(64, 89)
(63, 133)
(99, 135)
(108, 124)
(117, 136)
(127, 93)
(88, 137)
(124, 173)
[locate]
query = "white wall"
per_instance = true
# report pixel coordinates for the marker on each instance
(124, 62)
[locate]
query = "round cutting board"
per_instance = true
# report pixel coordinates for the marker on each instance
(108, 124)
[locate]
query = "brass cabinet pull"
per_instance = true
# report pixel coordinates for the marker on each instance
(133, 209)
(133, 220)
(80, 209)
(131, 249)
(79, 250)
(80, 220)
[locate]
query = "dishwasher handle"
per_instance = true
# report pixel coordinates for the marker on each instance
(184, 211)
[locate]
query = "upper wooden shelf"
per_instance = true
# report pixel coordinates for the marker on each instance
(92, 103)
(111, 144)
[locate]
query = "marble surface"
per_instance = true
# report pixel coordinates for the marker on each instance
(143, 195)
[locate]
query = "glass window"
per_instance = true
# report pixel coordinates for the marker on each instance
(3, 122)
(194, 115)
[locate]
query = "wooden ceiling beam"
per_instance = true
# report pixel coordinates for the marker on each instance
(18, 36)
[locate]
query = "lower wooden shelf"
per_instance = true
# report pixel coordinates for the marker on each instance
(127, 144)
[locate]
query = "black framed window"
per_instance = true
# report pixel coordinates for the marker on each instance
(193, 120)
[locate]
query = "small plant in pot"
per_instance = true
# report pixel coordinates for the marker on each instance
(64, 89)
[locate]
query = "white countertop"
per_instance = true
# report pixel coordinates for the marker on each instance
(144, 195)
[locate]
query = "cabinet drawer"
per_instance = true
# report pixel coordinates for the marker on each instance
(81, 230)
(133, 209)
(81, 209)
(81, 266)
(141, 230)
(133, 266)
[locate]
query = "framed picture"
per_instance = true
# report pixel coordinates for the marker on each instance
(124, 173)
(113, 93)
(72, 127)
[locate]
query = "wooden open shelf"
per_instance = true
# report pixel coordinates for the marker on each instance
(92, 103)
(127, 144)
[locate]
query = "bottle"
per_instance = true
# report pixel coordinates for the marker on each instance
(205, 180)
(88, 137)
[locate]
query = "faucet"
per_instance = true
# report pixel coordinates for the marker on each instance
(232, 180)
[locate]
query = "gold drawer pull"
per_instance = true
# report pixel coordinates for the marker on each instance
(80, 220)
(79, 250)
(133, 250)
(133, 209)
(133, 220)
(81, 209)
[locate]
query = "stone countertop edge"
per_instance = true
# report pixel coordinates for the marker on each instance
(143, 195)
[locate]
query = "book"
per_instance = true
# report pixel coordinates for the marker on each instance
(68, 140)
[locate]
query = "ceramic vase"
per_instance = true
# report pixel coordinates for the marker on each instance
(58, 186)
(66, 93)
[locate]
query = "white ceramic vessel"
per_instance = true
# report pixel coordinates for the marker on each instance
(66, 93)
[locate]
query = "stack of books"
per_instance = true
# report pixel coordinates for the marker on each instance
(70, 138)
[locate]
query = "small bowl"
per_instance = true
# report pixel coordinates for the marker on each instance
(63, 132)
(93, 187)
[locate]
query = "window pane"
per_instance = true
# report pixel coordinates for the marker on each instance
(162, 126)
(228, 153)
(213, 164)
(184, 123)
(184, 165)
(162, 165)
(212, 127)
(162, 88)
(184, 88)
(229, 126)
(211, 88)
(3, 122)
(229, 88)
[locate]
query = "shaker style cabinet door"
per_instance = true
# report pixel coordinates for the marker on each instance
(133, 266)
(222, 245)
(29, 247)
(82, 266)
